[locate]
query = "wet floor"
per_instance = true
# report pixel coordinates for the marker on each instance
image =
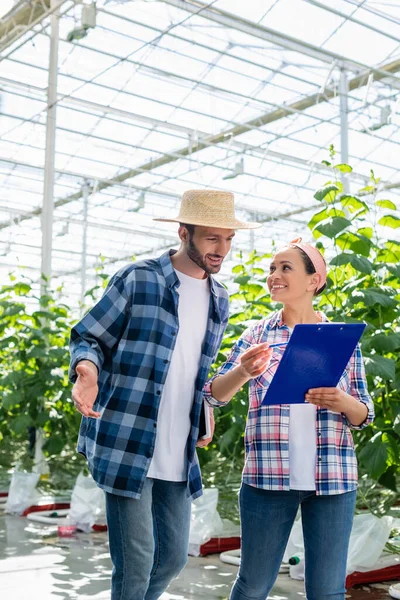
(36, 564)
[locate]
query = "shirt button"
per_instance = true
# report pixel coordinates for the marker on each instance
(319, 434)
(154, 424)
(165, 361)
(319, 458)
(158, 392)
(173, 332)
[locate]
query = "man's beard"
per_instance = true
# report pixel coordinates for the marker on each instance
(194, 255)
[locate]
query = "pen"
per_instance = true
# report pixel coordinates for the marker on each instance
(279, 344)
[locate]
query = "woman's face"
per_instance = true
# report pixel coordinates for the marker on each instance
(288, 280)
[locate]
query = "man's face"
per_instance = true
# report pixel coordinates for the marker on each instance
(208, 246)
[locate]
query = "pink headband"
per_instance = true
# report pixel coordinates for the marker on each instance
(315, 256)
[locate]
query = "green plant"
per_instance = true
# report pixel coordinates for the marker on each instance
(34, 390)
(364, 284)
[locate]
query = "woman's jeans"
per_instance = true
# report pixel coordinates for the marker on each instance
(266, 521)
(149, 539)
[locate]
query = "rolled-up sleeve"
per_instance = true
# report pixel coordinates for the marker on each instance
(358, 389)
(100, 329)
(244, 342)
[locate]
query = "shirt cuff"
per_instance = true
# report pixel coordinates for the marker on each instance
(367, 421)
(208, 397)
(88, 355)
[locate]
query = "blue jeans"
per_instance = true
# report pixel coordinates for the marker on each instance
(266, 521)
(149, 539)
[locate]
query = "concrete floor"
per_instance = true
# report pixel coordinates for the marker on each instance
(36, 564)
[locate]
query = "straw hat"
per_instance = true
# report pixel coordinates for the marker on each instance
(209, 208)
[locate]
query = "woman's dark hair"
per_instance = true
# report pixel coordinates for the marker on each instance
(310, 269)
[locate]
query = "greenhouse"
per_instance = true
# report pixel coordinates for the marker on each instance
(200, 207)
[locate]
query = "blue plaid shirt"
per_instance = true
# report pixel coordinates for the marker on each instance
(130, 336)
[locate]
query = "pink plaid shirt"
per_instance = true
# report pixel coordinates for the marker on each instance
(267, 429)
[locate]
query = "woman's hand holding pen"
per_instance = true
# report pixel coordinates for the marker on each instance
(255, 360)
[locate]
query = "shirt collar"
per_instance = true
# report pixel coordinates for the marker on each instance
(276, 319)
(171, 278)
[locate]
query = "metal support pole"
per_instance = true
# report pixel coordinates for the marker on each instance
(48, 192)
(344, 126)
(85, 196)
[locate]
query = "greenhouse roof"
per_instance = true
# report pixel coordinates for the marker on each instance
(161, 97)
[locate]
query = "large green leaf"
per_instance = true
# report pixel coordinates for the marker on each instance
(333, 226)
(389, 478)
(359, 244)
(383, 342)
(317, 217)
(366, 231)
(343, 168)
(390, 221)
(386, 204)
(353, 204)
(54, 444)
(242, 279)
(327, 193)
(374, 456)
(395, 270)
(379, 366)
(372, 296)
(360, 263)
(21, 423)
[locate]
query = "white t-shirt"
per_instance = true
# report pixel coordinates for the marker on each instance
(302, 445)
(169, 460)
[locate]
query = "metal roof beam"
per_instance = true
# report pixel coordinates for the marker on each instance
(224, 136)
(269, 35)
(23, 17)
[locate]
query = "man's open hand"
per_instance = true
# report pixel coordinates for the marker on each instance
(85, 390)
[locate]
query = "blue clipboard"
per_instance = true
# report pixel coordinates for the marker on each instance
(315, 356)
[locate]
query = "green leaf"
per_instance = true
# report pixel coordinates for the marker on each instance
(378, 366)
(353, 204)
(390, 221)
(54, 445)
(374, 456)
(326, 162)
(254, 289)
(343, 168)
(383, 342)
(366, 231)
(333, 227)
(386, 204)
(359, 244)
(242, 280)
(372, 296)
(21, 423)
(238, 269)
(42, 419)
(389, 478)
(43, 314)
(22, 289)
(390, 253)
(327, 193)
(360, 263)
(10, 400)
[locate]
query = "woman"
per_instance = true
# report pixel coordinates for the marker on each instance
(296, 455)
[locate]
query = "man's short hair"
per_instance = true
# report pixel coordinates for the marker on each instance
(189, 227)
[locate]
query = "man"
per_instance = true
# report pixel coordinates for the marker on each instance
(139, 360)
